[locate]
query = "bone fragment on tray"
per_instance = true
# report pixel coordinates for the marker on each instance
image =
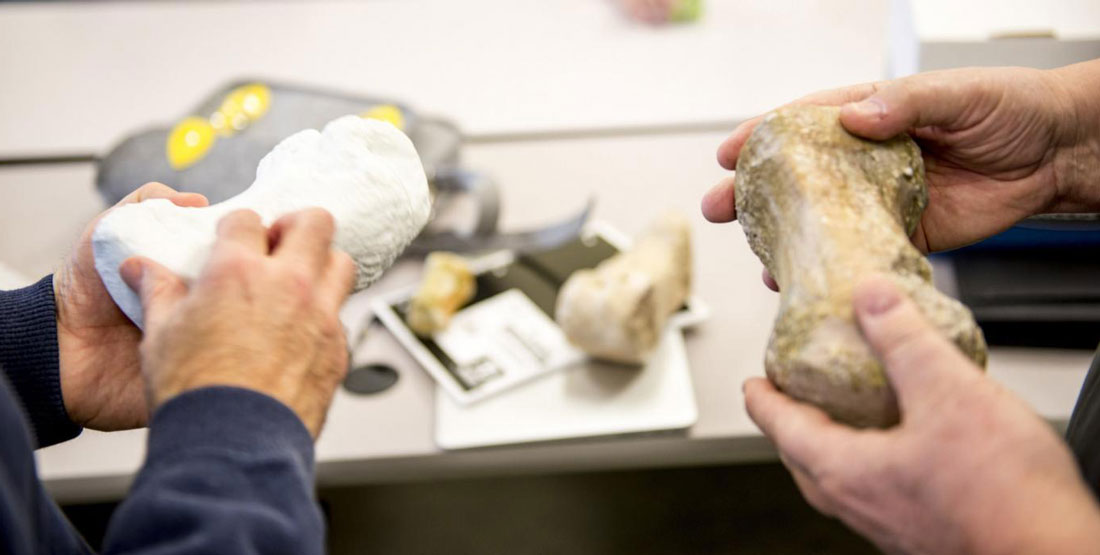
(824, 209)
(618, 310)
(448, 284)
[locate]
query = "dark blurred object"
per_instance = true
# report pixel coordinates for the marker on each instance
(370, 379)
(1037, 284)
(215, 148)
(223, 138)
(751, 508)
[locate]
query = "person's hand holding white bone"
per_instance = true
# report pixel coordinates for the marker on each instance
(262, 315)
(357, 187)
(101, 383)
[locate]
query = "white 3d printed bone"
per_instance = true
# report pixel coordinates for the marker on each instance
(365, 172)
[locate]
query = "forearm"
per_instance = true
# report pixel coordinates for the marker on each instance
(1033, 514)
(1070, 527)
(1077, 158)
(228, 470)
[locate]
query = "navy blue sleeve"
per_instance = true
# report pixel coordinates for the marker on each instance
(30, 522)
(228, 470)
(1083, 432)
(28, 356)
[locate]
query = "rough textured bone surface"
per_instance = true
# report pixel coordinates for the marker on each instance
(618, 310)
(365, 172)
(823, 209)
(447, 285)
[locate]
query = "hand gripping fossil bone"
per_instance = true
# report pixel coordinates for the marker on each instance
(366, 173)
(822, 209)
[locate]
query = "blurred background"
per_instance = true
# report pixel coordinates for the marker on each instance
(525, 112)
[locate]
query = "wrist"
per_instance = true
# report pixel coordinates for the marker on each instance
(68, 349)
(1054, 516)
(1077, 141)
(165, 388)
(1061, 529)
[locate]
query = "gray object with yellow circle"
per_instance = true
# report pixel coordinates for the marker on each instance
(216, 148)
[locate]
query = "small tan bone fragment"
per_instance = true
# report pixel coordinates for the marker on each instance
(448, 284)
(823, 209)
(617, 310)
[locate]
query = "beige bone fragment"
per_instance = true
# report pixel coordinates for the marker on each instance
(448, 284)
(823, 209)
(618, 310)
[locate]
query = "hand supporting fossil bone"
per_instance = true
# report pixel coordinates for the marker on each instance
(822, 208)
(366, 173)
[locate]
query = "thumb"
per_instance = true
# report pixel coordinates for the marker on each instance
(920, 363)
(159, 288)
(943, 99)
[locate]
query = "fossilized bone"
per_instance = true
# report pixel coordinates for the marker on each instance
(618, 310)
(365, 172)
(822, 209)
(447, 285)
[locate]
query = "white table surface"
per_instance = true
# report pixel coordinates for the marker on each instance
(389, 436)
(77, 77)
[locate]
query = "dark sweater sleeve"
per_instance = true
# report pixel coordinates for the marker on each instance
(1083, 432)
(228, 470)
(29, 358)
(30, 522)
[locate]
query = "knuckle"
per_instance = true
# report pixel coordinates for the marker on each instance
(146, 191)
(243, 216)
(231, 264)
(909, 347)
(346, 267)
(156, 291)
(818, 501)
(833, 480)
(333, 329)
(299, 280)
(319, 220)
(154, 187)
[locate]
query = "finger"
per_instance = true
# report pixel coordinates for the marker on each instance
(769, 281)
(730, 149)
(928, 99)
(304, 238)
(159, 288)
(338, 279)
(148, 191)
(719, 204)
(802, 432)
(190, 200)
(154, 190)
(243, 228)
(841, 95)
(920, 363)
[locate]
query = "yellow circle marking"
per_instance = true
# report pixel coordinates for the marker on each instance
(242, 106)
(255, 100)
(388, 113)
(189, 142)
